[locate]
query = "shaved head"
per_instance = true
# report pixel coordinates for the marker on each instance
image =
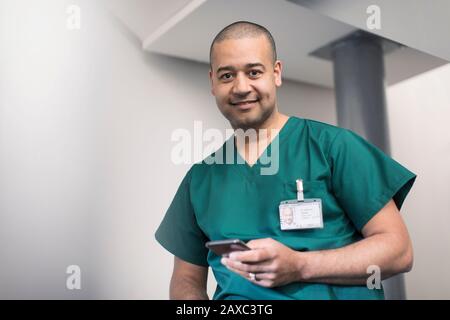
(243, 29)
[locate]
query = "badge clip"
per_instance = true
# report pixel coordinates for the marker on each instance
(299, 183)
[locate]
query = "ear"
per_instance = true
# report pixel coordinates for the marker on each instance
(277, 69)
(211, 82)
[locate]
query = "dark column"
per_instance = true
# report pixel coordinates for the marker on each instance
(361, 103)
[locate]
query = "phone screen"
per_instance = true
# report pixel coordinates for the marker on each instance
(224, 247)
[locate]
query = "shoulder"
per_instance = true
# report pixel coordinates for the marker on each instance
(323, 133)
(210, 165)
(321, 128)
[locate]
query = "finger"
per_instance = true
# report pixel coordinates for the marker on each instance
(264, 279)
(239, 272)
(258, 243)
(265, 276)
(258, 281)
(263, 283)
(245, 267)
(254, 255)
(261, 279)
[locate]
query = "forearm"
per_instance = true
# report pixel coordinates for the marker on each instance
(184, 289)
(348, 265)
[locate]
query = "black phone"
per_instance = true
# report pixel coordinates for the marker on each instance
(224, 247)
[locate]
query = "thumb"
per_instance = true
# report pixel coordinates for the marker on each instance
(257, 243)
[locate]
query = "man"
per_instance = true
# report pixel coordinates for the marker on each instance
(360, 188)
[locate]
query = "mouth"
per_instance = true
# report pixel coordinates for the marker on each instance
(244, 105)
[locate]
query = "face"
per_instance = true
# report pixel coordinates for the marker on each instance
(287, 215)
(244, 81)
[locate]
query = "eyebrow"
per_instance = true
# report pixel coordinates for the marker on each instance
(247, 66)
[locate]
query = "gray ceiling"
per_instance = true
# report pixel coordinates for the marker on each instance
(185, 29)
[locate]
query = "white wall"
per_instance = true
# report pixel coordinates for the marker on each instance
(85, 124)
(48, 152)
(419, 110)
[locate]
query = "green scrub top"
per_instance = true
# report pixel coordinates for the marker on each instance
(354, 179)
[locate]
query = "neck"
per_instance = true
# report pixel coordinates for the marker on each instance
(247, 148)
(275, 121)
(269, 128)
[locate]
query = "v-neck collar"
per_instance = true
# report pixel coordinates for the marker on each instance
(251, 171)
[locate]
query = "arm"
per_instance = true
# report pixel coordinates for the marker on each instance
(386, 244)
(188, 281)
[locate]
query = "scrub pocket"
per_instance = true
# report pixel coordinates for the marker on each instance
(312, 189)
(336, 222)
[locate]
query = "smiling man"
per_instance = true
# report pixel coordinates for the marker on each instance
(349, 185)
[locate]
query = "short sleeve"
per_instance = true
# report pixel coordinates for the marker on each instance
(179, 232)
(364, 178)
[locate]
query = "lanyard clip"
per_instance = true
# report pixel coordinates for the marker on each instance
(299, 183)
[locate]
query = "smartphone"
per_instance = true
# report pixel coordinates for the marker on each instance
(224, 247)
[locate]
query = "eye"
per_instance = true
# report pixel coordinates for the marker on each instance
(226, 76)
(254, 73)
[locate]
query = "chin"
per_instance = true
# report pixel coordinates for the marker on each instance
(248, 121)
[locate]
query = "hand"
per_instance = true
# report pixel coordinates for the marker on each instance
(273, 263)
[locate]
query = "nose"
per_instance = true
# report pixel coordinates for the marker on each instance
(241, 86)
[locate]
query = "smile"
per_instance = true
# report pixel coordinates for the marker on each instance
(245, 104)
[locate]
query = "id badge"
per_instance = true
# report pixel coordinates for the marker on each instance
(301, 213)
(306, 214)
